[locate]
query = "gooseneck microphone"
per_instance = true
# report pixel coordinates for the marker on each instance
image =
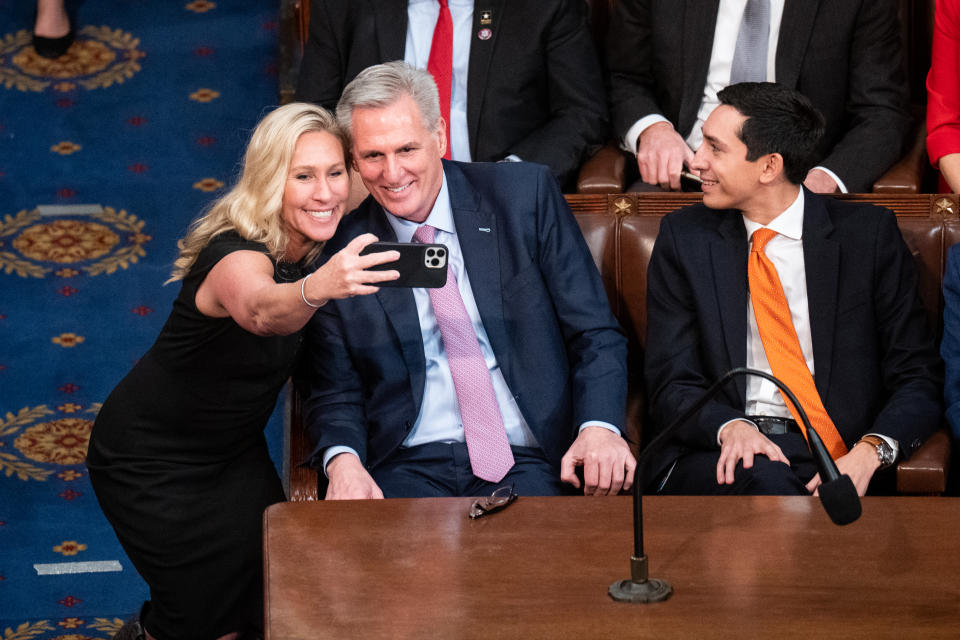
(837, 492)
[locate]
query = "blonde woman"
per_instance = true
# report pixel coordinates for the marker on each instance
(177, 455)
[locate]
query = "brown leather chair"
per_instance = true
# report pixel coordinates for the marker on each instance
(608, 170)
(620, 231)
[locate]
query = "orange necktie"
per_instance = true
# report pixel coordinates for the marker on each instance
(781, 344)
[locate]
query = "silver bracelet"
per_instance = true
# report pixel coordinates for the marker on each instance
(302, 295)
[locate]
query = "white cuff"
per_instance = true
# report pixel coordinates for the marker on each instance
(890, 441)
(600, 423)
(724, 426)
(630, 139)
(329, 454)
(836, 178)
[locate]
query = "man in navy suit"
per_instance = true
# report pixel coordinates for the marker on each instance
(385, 408)
(850, 284)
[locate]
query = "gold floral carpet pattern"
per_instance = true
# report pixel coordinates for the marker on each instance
(106, 154)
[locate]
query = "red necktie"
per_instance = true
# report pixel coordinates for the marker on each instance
(440, 64)
(780, 342)
(487, 444)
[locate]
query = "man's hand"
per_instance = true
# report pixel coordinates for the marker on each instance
(860, 463)
(349, 480)
(819, 181)
(661, 155)
(741, 441)
(606, 460)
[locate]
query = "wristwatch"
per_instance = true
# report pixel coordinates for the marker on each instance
(885, 452)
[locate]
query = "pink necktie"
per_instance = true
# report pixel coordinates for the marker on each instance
(490, 455)
(440, 63)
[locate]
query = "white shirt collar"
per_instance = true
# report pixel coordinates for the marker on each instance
(789, 223)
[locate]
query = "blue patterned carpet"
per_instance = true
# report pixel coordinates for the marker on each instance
(145, 118)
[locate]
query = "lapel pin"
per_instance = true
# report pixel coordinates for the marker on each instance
(484, 229)
(486, 16)
(485, 34)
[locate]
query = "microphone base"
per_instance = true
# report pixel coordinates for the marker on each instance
(640, 592)
(640, 589)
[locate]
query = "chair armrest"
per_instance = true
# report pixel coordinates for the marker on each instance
(925, 473)
(906, 176)
(303, 480)
(604, 172)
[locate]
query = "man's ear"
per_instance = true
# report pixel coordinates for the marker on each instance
(441, 133)
(771, 168)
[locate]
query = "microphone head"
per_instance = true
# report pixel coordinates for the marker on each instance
(840, 500)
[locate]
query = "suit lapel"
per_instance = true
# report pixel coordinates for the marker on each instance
(477, 231)
(796, 27)
(729, 257)
(821, 258)
(401, 309)
(699, 24)
(391, 16)
(481, 52)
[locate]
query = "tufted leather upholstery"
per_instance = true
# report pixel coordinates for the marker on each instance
(620, 231)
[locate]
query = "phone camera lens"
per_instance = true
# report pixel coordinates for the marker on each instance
(431, 253)
(440, 253)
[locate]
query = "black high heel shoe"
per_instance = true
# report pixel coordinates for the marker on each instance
(53, 47)
(56, 47)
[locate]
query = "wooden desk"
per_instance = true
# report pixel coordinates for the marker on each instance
(740, 567)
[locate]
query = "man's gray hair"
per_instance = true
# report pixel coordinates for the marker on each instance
(383, 84)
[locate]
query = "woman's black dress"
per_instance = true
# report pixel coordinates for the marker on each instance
(180, 466)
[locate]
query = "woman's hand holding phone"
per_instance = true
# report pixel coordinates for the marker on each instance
(348, 273)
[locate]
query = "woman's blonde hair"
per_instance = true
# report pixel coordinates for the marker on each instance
(253, 206)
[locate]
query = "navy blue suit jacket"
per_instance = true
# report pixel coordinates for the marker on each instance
(539, 294)
(876, 366)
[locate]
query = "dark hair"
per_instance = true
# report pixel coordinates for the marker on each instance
(779, 120)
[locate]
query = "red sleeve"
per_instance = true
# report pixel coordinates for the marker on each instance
(943, 83)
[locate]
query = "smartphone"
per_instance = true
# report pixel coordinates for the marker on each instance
(420, 265)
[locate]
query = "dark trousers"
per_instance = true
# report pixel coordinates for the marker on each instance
(695, 472)
(439, 469)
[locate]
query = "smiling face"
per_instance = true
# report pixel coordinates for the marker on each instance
(315, 192)
(730, 181)
(398, 158)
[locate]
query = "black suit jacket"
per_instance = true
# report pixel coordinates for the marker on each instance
(534, 89)
(876, 366)
(844, 55)
(543, 307)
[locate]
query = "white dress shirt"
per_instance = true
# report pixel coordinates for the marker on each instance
(729, 16)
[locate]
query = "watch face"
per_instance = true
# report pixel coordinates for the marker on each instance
(885, 452)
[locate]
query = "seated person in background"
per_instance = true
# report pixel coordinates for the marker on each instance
(518, 80)
(668, 58)
(943, 95)
(445, 392)
(950, 347)
(820, 293)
